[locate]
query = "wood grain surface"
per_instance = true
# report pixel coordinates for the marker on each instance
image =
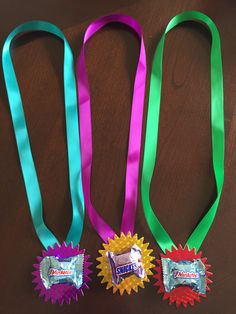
(183, 186)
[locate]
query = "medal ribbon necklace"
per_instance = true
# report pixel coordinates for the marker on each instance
(62, 272)
(134, 258)
(182, 273)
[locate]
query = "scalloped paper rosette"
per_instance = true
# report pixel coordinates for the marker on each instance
(118, 245)
(62, 292)
(184, 295)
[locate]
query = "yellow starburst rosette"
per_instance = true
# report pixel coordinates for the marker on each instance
(120, 245)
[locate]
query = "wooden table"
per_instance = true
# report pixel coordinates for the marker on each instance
(183, 186)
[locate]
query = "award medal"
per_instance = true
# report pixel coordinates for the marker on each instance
(125, 261)
(62, 271)
(183, 275)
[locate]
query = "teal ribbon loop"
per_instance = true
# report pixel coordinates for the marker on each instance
(22, 138)
(217, 129)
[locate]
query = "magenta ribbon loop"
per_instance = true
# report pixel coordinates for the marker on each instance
(132, 168)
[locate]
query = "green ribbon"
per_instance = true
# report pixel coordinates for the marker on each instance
(23, 144)
(217, 128)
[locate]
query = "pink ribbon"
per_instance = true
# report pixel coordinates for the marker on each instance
(132, 168)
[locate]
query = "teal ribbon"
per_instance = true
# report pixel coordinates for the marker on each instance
(217, 129)
(23, 144)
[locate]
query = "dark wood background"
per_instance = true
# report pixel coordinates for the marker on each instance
(183, 186)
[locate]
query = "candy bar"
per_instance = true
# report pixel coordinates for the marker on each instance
(126, 264)
(55, 270)
(184, 273)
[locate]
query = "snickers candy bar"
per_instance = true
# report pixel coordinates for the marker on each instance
(126, 264)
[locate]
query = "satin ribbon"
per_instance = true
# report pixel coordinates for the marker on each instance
(217, 129)
(22, 138)
(132, 168)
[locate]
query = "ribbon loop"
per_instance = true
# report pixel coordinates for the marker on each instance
(217, 129)
(22, 138)
(132, 169)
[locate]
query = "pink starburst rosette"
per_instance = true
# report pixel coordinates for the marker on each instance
(62, 273)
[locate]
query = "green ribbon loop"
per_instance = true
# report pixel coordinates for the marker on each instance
(217, 129)
(22, 138)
